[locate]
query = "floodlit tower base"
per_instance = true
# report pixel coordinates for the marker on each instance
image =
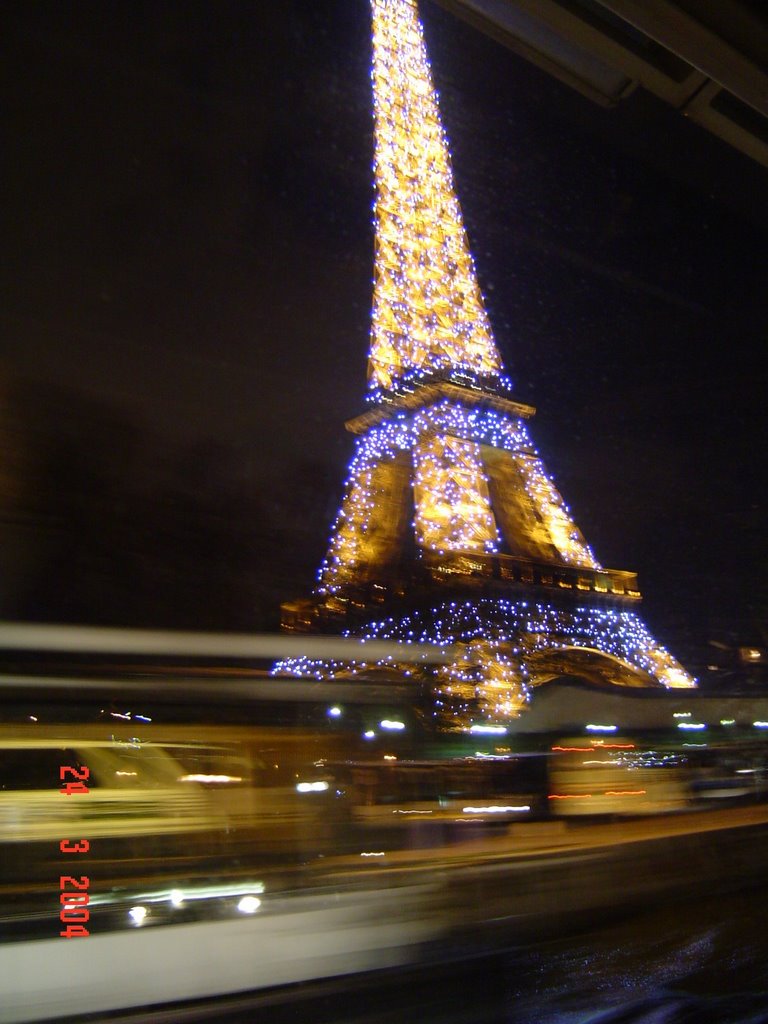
(508, 646)
(452, 532)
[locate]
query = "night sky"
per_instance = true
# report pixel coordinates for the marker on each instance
(186, 287)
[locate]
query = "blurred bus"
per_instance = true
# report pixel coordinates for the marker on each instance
(615, 776)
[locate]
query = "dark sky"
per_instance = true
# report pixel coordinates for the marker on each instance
(186, 289)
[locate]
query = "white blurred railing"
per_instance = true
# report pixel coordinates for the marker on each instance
(20, 636)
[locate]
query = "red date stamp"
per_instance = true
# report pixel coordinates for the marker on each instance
(74, 897)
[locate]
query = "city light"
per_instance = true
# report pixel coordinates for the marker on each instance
(138, 915)
(249, 904)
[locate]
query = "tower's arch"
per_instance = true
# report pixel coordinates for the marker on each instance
(587, 663)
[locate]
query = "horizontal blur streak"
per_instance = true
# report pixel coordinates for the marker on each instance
(225, 688)
(103, 640)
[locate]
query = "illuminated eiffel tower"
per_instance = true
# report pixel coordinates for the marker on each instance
(450, 529)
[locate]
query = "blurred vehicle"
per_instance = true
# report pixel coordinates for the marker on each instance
(423, 802)
(131, 789)
(192, 794)
(615, 776)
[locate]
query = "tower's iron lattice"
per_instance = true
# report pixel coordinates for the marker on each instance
(451, 530)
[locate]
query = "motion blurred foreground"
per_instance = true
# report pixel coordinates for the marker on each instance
(236, 833)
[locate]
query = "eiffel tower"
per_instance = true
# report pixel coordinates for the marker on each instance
(451, 530)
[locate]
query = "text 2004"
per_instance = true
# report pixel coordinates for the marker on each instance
(74, 912)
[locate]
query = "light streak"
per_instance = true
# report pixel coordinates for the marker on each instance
(602, 746)
(496, 809)
(311, 787)
(199, 777)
